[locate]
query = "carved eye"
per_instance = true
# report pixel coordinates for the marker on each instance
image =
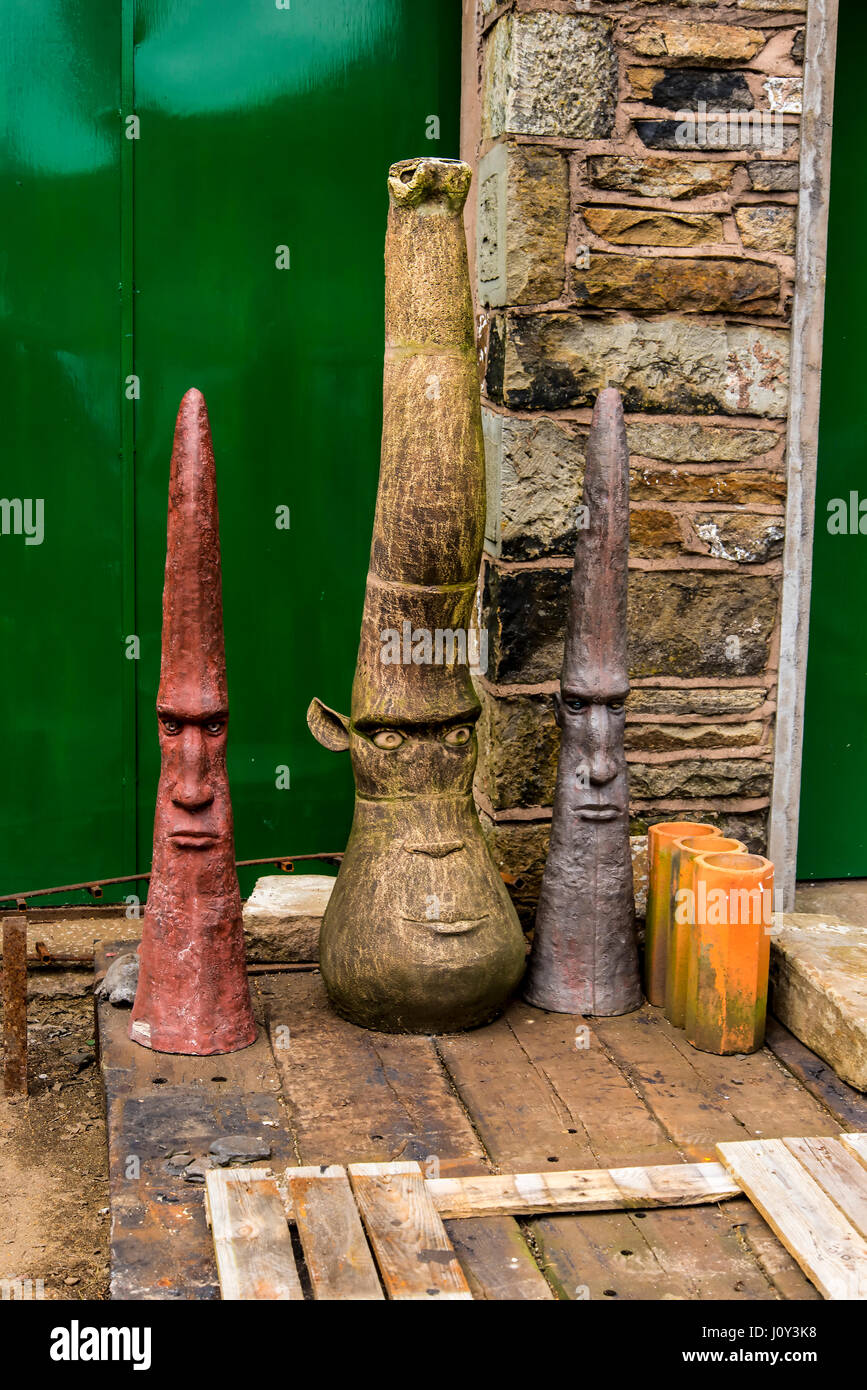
(387, 738)
(456, 737)
(617, 706)
(576, 706)
(171, 726)
(215, 726)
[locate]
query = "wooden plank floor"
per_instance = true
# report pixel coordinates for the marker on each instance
(158, 1104)
(538, 1092)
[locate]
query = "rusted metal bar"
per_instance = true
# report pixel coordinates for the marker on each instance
(15, 1006)
(94, 886)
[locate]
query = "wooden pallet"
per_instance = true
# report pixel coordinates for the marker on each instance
(393, 1211)
(813, 1194)
(384, 1221)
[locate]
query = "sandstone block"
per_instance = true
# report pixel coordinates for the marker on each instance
(685, 89)
(523, 224)
(549, 74)
(739, 487)
(748, 131)
(645, 700)
(774, 176)
(819, 989)
(283, 914)
(692, 441)
(696, 778)
(666, 738)
(686, 623)
(768, 228)
(655, 177)
(655, 284)
(649, 227)
(538, 468)
(739, 536)
(552, 361)
(704, 42)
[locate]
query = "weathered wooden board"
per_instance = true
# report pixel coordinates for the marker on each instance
(838, 1172)
(701, 1099)
(252, 1244)
(543, 1089)
(359, 1096)
(843, 1102)
(158, 1104)
(813, 1229)
(600, 1189)
(856, 1144)
(415, 1256)
(336, 1252)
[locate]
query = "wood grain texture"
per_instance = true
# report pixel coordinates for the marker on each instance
(158, 1104)
(546, 1094)
(842, 1101)
(601, 1189)
(856, 1144)
(415, 1256)
(253, 1247)
(360, 1096)
(826, 1246)
(336, 1252)
(839, 1173)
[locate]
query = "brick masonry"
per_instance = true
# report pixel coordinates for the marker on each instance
(637, 177)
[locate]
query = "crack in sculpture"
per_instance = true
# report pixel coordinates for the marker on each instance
(193, 996)
(420, 934)
(584, 958)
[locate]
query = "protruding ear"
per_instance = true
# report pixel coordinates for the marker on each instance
(328, 727)
(558, 708)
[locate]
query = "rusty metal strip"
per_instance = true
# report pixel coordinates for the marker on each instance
(15, 1006)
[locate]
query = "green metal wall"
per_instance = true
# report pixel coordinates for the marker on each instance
(833, 831)
(155, 258)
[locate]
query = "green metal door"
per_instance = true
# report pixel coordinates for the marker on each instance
(833, 832)
(230, 238)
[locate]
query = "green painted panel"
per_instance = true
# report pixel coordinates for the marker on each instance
(833, 830)
(65, 687)
(264, 128)
(260, 127)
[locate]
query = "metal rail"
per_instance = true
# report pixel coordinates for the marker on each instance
(94, 886)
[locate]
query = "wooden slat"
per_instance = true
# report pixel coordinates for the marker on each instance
(336, 1252)
(813, 1230)
(360, 1096)
(856, 1144)
(838, 1172)
(415, 1256)
(601, 1189)
(254, 1252)
(546, 1095)
(845, 1104)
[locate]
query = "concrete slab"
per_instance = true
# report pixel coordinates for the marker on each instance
(819, 988)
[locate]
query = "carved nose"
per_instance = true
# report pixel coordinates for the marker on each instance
(193, 798)
(437, 851)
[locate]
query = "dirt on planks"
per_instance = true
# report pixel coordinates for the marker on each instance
(54, 1220)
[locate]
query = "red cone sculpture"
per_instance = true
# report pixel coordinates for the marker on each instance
(193, 996)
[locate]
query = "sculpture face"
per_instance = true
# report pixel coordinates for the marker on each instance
(193, 996)
(584, 957)
(591, 741)
(420, 934)
(194, 784)
(420, 930)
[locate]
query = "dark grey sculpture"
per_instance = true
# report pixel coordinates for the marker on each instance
(585, 958)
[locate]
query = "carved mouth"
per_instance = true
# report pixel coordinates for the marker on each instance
(447, 926)
(598, 812)
(193, 839)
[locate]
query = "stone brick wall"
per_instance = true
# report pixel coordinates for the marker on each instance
(620, 240)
